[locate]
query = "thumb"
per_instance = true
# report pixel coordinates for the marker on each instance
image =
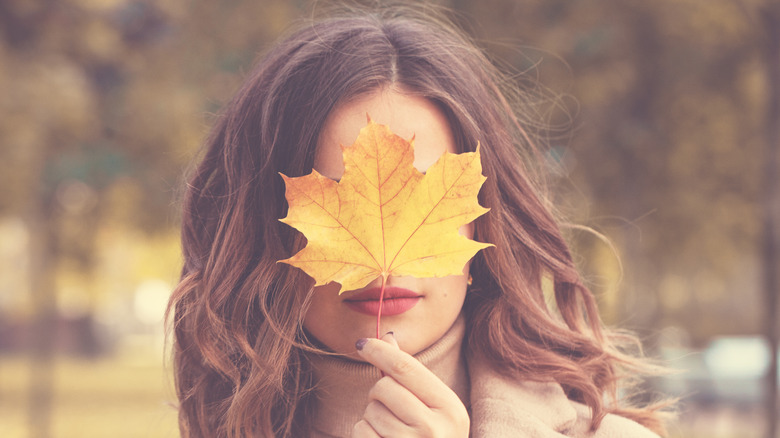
(389, 337)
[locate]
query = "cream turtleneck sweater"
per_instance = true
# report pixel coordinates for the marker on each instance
(499, 407)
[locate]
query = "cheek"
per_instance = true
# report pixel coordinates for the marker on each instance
(467, 230)
(450, 291)
(320, 314)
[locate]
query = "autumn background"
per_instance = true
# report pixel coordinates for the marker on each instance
(663, 124)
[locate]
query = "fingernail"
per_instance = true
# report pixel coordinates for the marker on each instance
(361, 343)
(390, 333)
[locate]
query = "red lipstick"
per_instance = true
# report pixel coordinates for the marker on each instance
(396, 301)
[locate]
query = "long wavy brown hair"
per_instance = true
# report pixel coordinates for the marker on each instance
(237, 314)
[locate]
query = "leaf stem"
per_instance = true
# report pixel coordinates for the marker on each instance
(381, 302)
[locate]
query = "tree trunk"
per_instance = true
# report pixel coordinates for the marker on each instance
(771, 17)
(43, 249)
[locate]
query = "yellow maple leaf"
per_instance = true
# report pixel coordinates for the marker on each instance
(385, 217)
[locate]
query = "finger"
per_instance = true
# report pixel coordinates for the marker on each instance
(407, 370)
(364, 430)
(389, 337)
(399, 400)
(383, 421)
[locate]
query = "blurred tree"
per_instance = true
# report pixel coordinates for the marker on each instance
(665, 156)
(770, 18)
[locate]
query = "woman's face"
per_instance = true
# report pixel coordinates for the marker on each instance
(336, 320)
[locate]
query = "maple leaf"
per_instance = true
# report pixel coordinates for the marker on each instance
(385, 217)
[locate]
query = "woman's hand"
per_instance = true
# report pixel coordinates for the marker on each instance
(409, 401)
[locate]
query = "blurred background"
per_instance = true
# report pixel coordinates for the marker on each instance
(663, 124)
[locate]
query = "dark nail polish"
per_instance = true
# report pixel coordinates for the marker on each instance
(361, 343)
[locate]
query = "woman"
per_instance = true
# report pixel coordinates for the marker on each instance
(259, 351)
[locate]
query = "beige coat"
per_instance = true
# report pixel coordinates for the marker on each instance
(501, 408)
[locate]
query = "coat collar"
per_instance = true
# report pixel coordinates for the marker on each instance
(503, 407)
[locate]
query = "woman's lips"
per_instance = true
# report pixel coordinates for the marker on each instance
(396, 301)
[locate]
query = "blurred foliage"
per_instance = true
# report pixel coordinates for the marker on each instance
(653, 110)
(666, 152)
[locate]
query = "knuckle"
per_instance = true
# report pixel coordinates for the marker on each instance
(464, 423)
(426, 430)
(360, 429)
(459, 422)
(459, 416)
(404, 365)
(380, 387)
(374, 393)
(373, 409)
